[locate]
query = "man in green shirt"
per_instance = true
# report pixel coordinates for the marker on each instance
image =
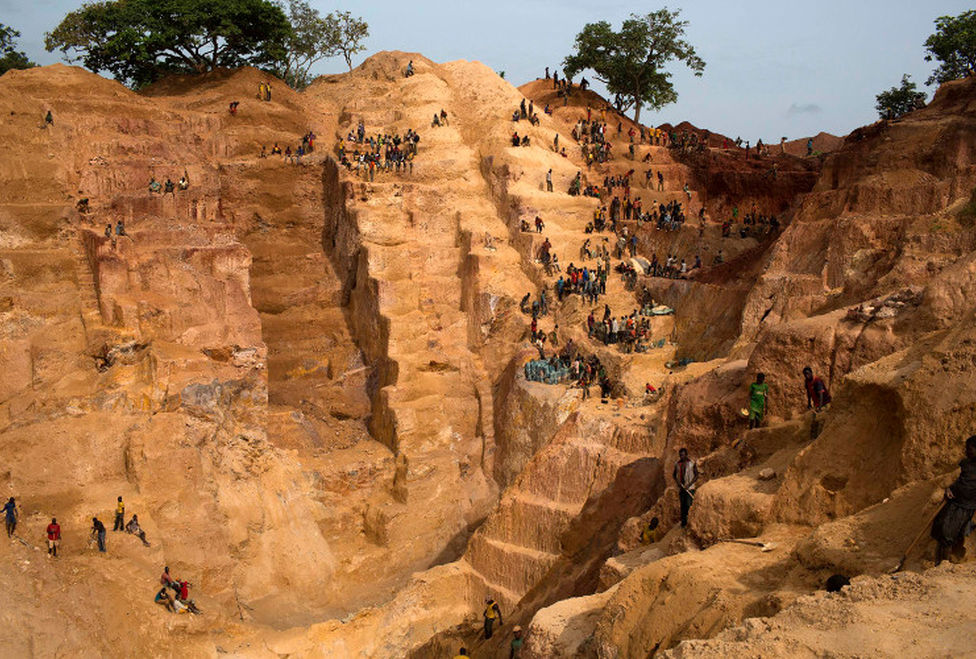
(516, 650)
(758, 391)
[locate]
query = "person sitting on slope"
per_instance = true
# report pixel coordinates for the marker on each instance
(134, 528)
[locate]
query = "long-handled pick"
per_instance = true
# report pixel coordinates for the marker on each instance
(763, 546)
(925, 528)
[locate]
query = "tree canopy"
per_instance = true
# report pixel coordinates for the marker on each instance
(10, 57)
(954, 46)
(314, 38)
(631, 62)
(348, 34)
(139, 41)
(899, 101)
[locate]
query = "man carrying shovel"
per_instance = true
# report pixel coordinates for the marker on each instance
(685, 474)
(953, 523)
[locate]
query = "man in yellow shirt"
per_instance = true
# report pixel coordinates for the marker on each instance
(492, 613)
(119, 516)
(652, 533)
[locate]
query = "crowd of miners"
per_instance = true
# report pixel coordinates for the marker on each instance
(381, 152)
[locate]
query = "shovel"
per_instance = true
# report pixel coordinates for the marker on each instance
(901, 563)
(763, 546)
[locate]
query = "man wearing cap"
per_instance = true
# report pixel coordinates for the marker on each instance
(516, 647)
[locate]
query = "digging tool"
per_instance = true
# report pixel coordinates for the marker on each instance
(24, 542)
(763, 546)
(928, 525)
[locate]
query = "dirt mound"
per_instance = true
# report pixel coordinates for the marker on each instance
(822, 143)
(877, 616)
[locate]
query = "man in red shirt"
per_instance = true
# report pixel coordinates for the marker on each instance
(53, 537)
(817, 394)
(169, 581)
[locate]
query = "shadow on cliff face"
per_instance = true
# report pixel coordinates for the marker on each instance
(454, 548)
(589, 542)
(586, 546)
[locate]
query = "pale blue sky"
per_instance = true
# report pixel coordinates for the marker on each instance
(774, 67)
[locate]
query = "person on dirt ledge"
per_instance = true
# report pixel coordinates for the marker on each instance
(119, 516)
(515, 648)
(10, 516)
(685, 475)
(53, 537)
(492, 613)
(758, 391)
(954, 521)
(651, 533)
(462, 654)
(98, 533)
(817, 395)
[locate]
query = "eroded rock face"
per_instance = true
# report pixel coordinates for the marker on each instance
(883, 326)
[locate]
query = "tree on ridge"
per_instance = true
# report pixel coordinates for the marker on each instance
(348, 34)
(140, 41)
(631, 62)
(954, 46)
(899, 101)
(314, 38)
(10, 57)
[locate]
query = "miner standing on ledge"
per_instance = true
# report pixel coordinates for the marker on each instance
(492, 612)
(952, 524)
(119, 516)
(685, 475)
(817, 394)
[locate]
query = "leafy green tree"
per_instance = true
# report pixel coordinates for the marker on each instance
(954, 46)
(314, 38)
(311, 40)
(631, 62)
(10, 57)
(139, 41)
(899, 101)
(348, 34)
